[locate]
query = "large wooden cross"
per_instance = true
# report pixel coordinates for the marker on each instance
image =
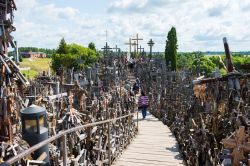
(130, 44)
(137, 41)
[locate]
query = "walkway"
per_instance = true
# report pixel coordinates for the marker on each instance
(153, 146)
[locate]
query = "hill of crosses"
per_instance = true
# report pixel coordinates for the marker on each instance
(98, 109)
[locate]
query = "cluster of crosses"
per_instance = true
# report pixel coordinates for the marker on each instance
(133, 42)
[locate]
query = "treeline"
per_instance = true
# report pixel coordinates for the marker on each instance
(207, 64)
(47, 51)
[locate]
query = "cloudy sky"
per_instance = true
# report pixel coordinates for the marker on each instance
(200, 24)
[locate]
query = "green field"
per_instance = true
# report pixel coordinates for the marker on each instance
(37, 65)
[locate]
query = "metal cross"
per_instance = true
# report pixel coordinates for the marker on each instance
(137, 41)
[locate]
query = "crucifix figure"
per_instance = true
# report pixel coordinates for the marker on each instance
(151, 44)
(137, 41)
(106, 48)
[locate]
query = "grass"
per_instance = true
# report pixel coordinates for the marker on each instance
(37, 65)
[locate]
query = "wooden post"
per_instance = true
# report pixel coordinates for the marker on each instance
(64, 148)
(137, 121)
(109, 145)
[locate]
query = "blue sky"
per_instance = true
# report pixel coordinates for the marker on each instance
(200, 24)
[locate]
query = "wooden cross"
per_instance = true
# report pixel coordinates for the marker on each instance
(151, 44)
(239, 141)
(116, 49)
(140, 48)
(130, 44)
(135, 46)
(106, 48)
(137, 41)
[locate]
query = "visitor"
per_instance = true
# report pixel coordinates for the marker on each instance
(131, 64)
(136, 88)
(143, 104)
(138, 82)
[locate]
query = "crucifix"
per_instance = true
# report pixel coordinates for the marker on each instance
(130, 44)
(137, 41)
(106, 48)
(151, 44)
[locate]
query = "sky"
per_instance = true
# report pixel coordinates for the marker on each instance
(200, 24)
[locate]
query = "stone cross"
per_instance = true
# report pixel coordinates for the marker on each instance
(151, 44)
(137, 41)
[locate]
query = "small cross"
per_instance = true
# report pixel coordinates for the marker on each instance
(106, 48)
(116, 49)
(140, 48)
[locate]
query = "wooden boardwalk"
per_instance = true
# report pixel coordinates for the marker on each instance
(153, 146)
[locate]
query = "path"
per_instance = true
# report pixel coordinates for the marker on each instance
(153, 146)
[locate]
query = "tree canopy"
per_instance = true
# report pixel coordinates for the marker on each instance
(92, 46)
(171, 49)
(73, 55)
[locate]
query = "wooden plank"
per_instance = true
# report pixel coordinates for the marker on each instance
(154, 145)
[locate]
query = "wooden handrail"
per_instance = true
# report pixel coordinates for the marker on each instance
(57, 136)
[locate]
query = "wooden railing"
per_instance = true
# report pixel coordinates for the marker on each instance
(63, 135)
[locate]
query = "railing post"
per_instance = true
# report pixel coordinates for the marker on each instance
(109, 145)
(64, 148)
(137, 121)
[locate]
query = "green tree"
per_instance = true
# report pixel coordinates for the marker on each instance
(77, 56)
(62, 49)
(171, 49)
(205, 63)
(92, 46)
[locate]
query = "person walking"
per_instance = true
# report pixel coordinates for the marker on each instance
(143, 104)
